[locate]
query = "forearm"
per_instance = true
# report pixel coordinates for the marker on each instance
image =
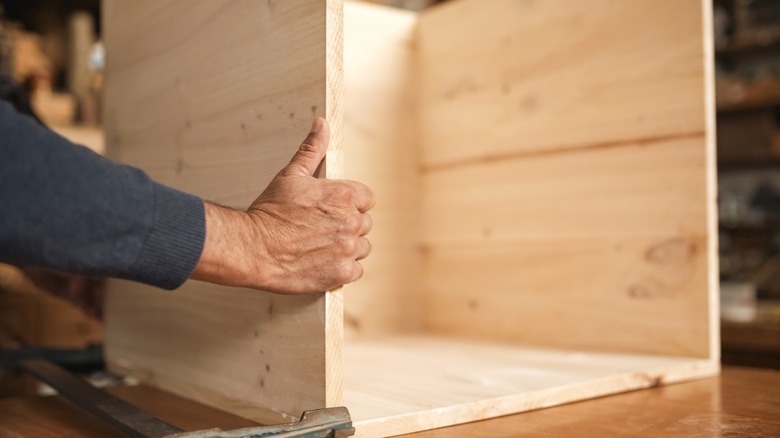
(68, 209)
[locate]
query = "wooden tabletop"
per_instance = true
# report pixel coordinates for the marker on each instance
(741, 402)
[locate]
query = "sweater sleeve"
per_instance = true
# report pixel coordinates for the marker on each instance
(63, 207)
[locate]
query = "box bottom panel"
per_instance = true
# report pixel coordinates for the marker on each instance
(403, 384)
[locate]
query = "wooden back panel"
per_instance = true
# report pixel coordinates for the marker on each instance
(568, 173)
(214, 97)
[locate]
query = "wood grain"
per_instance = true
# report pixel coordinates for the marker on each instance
(397, 385)
(509, 77)
(568, 174)
(742, 402)
(381, 151)
(213, 97)
(333, 168)
(610, 254)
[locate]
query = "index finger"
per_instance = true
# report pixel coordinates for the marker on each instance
(364, 197)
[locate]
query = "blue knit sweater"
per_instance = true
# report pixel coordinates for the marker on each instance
(66, 208)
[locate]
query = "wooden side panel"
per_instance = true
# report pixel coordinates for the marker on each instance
(213, 97)
(382, 152)
(567, 186)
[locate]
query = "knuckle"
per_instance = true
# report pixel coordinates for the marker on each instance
(342, 193)
(344, 273)
(348, 246)
(353, 224)
(307, 147)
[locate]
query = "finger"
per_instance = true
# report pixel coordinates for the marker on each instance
(357, 272)
(364, 197)
(364, 248)
(312, 150)
(367, 224)
(348, 273)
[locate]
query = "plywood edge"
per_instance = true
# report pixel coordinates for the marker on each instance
(334, 164)
(528, 401)
(334, 86)
(334, 342)
(712, 181)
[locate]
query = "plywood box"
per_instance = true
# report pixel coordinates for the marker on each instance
(545, 225)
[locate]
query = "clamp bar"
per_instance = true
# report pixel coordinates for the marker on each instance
(129, 419)
(136, 423)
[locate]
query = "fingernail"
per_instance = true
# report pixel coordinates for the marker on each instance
(316, 124)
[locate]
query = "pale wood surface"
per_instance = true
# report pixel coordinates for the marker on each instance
(711, 178)
(381, 151)
(611, 253)
(397, 385)
(741, 402)
(567, 174)
(333, 168)
(504, 77)
(213, 97)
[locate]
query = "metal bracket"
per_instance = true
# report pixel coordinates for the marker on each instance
(321, 423)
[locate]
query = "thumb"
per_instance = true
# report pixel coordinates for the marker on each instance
(312, 150)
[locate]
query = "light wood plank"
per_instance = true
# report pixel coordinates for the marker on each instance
(507, 77)
(381, 151)
(639, 189)
(217, 112)
(711, 200)
(234, 349)
(396, 385)
(333, 168)
(601, 249)
(213, 97)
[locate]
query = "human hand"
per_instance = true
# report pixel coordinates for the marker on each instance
(302, 234)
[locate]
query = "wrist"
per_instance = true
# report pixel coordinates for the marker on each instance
(225, 251)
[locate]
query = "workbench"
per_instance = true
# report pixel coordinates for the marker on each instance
(741, 402)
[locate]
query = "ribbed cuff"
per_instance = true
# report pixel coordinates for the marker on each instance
(175, 243)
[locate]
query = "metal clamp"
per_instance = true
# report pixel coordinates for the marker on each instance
(137, 423)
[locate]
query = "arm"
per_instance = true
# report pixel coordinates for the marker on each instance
(65, 208)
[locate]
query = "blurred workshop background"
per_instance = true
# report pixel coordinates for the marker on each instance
(51, 53)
